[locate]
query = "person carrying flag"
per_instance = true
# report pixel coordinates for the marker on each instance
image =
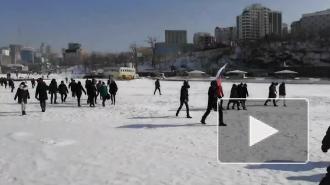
(215, 93)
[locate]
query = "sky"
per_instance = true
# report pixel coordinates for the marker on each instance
(112, 25)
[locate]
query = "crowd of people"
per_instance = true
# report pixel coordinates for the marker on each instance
(93, 90)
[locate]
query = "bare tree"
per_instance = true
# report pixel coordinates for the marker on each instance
(133, 48)
(152, 42)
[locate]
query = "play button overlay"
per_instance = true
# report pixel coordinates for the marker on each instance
(264, 134)
(259, 131)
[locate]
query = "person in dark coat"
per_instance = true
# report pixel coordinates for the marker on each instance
(325, 147)
(212, 100)
(157, 87)
(104, 93)
(215, 93)
(33, 83)
(113, 88)
(11, 84)
(79, 90)
(184, 98)
(63, 90)
(41, 94)
(22, 94)
(98, 86)
(244, 95)
(234, 94)
(87, 84)
(326, 141)
(272, 94)
(5, 82)
(72, 86)
(1, 81)
(282, 93)
(53, 91)
(91, 93)
(66, 80)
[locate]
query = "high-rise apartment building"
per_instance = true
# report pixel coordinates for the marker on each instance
(175, 36)
(257, 21)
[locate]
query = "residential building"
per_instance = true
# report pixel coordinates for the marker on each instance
(74, 54)
(175, 36)
(5, 58)
(15, 53)
(203, 40)
(285, 29)
(27, 55)
(225, 35)
(312, 23)
(257, 21)
(275, 23)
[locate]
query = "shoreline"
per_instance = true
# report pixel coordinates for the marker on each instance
(257, 80)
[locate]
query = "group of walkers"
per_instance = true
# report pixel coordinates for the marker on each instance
(238, 95)
(272, 95)
(9, 82)
(93, 91)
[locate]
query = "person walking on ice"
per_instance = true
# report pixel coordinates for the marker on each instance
(157, 87)
(22, 94)
(282, 93)
(53, 91)
(104, 93)
(72, 86)
(184, 98)
(63, 90)
(41, 94)
(113, 88)
(233, 95)
(79, 89)
(11, 84)
(215, 92)
(244, 95)
(272, 94)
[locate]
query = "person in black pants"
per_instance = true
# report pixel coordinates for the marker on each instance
(157, 87)
(22, 94)
(53, 91)
(325, 147)
(282, 92)
(11, 85)
(244, 95)
(212, 100)
(215, 92)
(41, 94)
(113, 88)
(184, 98)
(233, 95)
(91, 92)
(79, 90)
(63, 90)
(33, 82)
(72, 86)
(272, 94)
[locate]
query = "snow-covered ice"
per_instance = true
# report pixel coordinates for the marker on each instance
(140, 141)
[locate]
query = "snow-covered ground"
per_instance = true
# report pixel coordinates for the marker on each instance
(140, 141)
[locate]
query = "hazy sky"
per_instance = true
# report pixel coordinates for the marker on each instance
(111, 26)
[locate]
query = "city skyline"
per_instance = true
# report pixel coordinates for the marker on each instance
(112, 26)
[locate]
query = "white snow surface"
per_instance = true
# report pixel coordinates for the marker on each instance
(140, 141)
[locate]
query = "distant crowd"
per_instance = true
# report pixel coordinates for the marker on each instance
(94, 90)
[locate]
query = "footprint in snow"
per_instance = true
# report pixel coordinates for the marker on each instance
(19, 136)
(49, 141)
